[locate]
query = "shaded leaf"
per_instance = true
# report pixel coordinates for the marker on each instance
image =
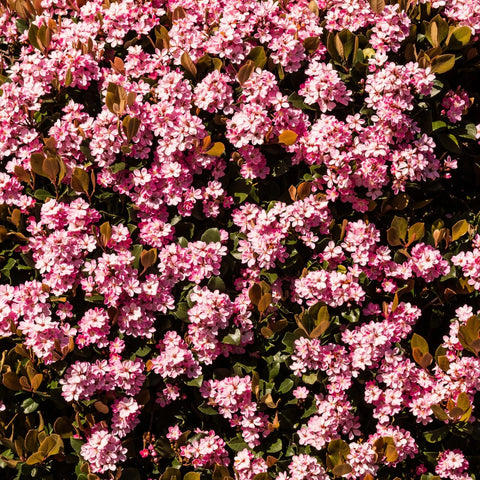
(459, 38)
(264, 302)
(255, 293)
(341, 469)
(171, 474)
(443, 63)
(439, 412)
(80, 180)
(188, 64)
(11, 381)
(311, 44)
(258, 55)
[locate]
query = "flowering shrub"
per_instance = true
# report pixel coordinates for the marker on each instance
(239, 240)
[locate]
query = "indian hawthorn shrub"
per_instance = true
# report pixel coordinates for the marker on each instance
(239, 239)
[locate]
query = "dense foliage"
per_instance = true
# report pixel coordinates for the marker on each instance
(239, 239)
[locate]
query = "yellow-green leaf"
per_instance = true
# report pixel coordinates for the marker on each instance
(400, 225)
(35, 458)
(459, 229)
(443, 63)
(416, 232)
(419, 342)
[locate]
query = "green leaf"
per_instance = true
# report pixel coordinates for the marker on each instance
(286, 386)
(216, 283)
(275, 446)
(439, 412)
(233, 338)
(245, 71)
(35, 458)
(142, 351)
(437, 435)
(416, 232)
(195, 382)
(181, 312)
(211, 235)
(76, 444)
(237, 444)
(450, 142)
(21, 25)
(297, 101)
(42, 195)
(311, 44)
(29, 405)
(207, 409)
(438, 125)
(171, 474)
(310, 379)
(347, 39)
(436, 31)
(118, 167)
(8, 267)
(80, 180)
(220, 472)
(400, 225)
(419, 342)
(262, 476)
(136, 252)
(469, 131)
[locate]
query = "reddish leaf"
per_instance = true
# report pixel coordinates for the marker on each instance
(245, 71)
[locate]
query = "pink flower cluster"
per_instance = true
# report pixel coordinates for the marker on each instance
(175, 358)
(206, 451)
(452, 465)
(195, 153)
(232, 397)
(103, 450)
